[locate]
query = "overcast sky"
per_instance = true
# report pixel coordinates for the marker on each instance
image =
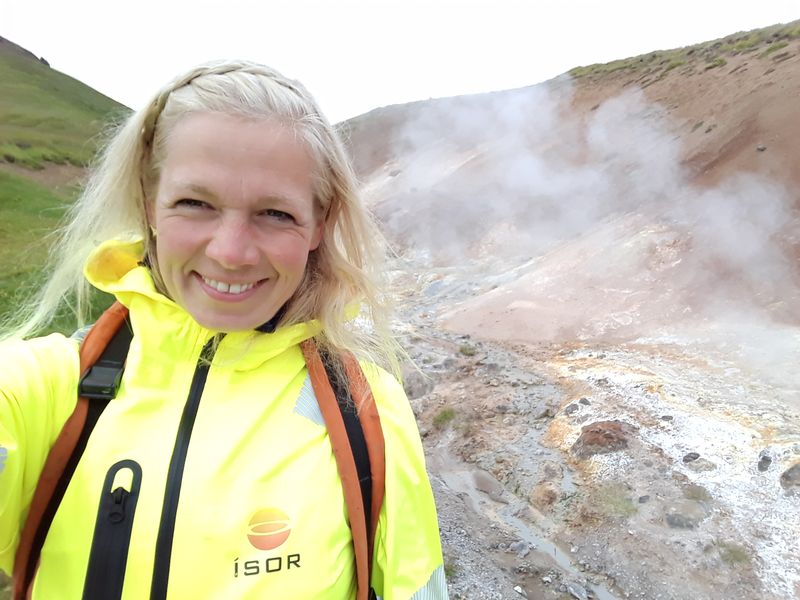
(357, 55)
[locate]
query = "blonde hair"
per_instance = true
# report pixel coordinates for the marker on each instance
(346, 267)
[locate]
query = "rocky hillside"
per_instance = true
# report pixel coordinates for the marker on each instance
(601, 285)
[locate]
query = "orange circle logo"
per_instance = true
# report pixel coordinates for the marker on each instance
(269, 528)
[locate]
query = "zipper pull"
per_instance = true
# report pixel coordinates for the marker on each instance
(117, 512)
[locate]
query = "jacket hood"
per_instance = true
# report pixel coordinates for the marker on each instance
(116, 267)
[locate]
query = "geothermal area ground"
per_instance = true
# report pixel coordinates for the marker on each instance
(599, 281)
(649, 469)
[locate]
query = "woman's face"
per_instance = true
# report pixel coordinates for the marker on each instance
(235, 218)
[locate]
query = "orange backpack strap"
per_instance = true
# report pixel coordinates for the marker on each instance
(59, 466)
(373, 434)
(348, 437)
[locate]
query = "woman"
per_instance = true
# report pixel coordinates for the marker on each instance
(225, 217)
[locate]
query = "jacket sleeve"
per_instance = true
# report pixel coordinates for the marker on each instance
(38, 392)
(408, 556)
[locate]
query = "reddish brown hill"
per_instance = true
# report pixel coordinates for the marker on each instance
(726, 98)
(622, 198)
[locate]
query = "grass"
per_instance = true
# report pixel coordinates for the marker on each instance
(444, 417)
(467, 350)
(450, 569)
(714, 53)
(773, 48)
(29, 213)
(733, 554)
(674, 63)
(47, 116)
(717, 62)
(745, 43)
(614, 500)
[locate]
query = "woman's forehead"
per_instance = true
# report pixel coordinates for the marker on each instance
(219, 154)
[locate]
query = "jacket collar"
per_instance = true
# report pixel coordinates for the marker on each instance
(115, 267)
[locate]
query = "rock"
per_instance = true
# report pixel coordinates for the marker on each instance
(667, 417)
(520, 591)
(489, 486)
(761, 148)
(685, 514)
(701, 464)
(577, 591)
(551, 470)
(584, 401)
(696, 492)
(547, 413)
(571, 409)
(764, 460)
(520, 548)
(790, 479)
(680, 521)
(545, 494)
(546, 579)
(690, 457)
(644, 499)
(416, 384)
(602, 437)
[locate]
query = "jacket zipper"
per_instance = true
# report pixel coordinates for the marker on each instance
(166, 530)
(105, 574)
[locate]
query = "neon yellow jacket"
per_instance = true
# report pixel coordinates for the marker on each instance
(260, 509)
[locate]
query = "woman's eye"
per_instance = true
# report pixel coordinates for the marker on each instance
(191, 203)
(278, 214)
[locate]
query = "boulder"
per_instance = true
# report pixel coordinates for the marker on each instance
(603, 437)
(790, 479)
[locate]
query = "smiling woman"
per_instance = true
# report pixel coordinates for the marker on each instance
(226, 220)
(234, 218)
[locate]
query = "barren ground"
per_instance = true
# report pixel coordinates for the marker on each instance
(601, 287)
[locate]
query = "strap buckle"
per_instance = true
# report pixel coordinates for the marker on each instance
(100, 382)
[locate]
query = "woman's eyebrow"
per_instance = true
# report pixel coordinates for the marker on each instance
(199, 188)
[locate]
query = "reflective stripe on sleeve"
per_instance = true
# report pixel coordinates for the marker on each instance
(435, 589)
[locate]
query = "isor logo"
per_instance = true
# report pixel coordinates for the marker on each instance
(268, 529)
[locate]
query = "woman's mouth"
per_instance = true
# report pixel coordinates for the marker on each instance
(230, 288)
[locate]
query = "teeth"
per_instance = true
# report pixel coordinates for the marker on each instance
(235, 288)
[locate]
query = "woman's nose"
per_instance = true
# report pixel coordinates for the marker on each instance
(232, 244)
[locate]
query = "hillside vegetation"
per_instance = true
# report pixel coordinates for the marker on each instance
(46, 119)
(761, 43)
(46, 116)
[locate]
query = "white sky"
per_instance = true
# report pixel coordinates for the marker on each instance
(357, 55)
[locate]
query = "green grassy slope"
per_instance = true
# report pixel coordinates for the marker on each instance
(46, 117)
